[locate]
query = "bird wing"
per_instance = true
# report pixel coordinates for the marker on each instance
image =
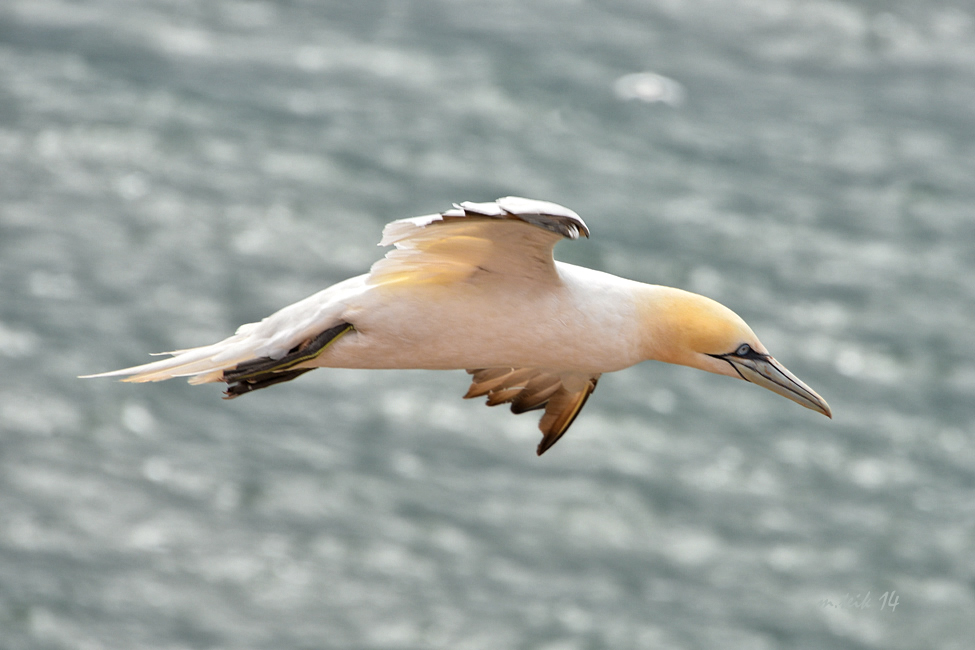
(562, 395)
(511, 236)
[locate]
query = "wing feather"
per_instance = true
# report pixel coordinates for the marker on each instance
(527, 389)
(536, 394)
(491, 379)
(561, 412)
(511, 236)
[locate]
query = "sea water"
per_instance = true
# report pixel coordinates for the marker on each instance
(172, 169)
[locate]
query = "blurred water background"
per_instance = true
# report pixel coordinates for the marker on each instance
(170, 169)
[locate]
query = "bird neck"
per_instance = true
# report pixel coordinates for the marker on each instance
(683, 328)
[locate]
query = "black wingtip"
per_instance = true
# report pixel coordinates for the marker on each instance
(257, 382)
(549, 440)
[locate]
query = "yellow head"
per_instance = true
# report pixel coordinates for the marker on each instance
(691, 330)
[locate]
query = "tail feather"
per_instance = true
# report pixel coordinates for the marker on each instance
(185, 363)
(235, 362)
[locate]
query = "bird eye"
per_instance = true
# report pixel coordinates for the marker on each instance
(743, 350)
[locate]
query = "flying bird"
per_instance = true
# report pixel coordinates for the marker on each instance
(476, 288)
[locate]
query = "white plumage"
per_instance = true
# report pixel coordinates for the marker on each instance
(476, 288)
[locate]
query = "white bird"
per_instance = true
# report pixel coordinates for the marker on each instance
(477, 288)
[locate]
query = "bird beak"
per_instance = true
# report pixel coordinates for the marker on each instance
(769, 373)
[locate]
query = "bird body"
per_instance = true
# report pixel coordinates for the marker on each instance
(587, 319)
(476, 288)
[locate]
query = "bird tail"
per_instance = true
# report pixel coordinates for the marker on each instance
(233, 361)
(202, 365)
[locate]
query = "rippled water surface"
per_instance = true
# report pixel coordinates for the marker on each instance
(171, 169)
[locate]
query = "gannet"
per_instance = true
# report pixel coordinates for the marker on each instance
(476, 287)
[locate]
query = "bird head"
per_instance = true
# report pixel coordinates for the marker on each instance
(692, 330)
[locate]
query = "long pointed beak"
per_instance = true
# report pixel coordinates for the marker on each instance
(769, 373)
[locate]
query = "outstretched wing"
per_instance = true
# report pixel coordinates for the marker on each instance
(511, 236)
(561, 395)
